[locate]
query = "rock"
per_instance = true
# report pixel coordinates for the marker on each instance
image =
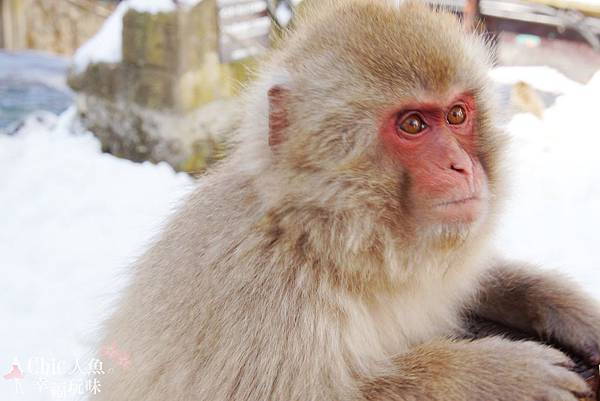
(169, 99)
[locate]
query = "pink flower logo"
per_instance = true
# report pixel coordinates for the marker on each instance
(15, 373)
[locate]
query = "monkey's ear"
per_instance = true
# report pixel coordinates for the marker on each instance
(278, 114)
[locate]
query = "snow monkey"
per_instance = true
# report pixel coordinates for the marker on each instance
(335, 253)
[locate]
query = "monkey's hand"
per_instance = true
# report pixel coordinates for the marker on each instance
(490, 369)
(544, 304)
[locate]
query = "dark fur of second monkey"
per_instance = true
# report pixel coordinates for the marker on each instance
(297, 272)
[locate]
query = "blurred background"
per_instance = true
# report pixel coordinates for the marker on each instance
(109, 110)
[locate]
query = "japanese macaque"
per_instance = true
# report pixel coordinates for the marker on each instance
(336, 253)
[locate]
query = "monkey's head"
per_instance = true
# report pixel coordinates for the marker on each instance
(373, 108)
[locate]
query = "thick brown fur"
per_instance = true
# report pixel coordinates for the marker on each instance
(297, 272)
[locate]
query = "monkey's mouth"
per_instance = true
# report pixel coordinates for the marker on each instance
(458, 202)
(461, 210)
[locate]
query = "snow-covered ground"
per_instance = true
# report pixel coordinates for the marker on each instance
(553, 216)
(73, 219)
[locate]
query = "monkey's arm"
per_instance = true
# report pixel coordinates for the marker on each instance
(491, 369)
(541, 303)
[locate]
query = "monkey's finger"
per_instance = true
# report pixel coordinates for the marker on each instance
(567, 364)
(559, 395)
(558, 358)
(569, 381)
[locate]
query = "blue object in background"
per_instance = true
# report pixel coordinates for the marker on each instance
(528, 40)
(32, 81)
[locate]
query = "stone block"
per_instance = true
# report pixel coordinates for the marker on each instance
(150, 87)
(151, 40)
(170, 99)
(189, 142)
(198, 34)
(102, 80)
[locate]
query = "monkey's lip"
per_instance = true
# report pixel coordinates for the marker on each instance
(464, 210)
(458, 202)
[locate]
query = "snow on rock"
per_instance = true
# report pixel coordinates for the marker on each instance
(160, 6)
(105, 45)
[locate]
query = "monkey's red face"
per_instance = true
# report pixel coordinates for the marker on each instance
(435, 142)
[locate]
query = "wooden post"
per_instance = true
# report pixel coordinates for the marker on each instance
(471, 14)
(2, 45)
(12, 24)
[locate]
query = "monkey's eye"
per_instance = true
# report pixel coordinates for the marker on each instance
(412, 124)
(457, 115)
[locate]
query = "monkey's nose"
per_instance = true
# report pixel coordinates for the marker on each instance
(461, 163)
(459, 168)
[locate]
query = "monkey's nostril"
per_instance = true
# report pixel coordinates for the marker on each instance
(458, 168)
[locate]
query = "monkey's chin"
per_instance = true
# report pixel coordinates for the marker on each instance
(450, 224)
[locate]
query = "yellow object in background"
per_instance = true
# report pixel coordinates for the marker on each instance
(586, 7)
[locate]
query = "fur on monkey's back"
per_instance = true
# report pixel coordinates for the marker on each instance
(246, 294)
(199, 326)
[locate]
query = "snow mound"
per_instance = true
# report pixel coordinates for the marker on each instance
(545, 79)
(553, 214)
(72, 218)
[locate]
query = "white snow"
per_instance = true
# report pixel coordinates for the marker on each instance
(106, 45)
(160, 6)
(283, 14)
(542, 78)
(554, 214)
(73, 218)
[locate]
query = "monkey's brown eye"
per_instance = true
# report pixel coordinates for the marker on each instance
(412, 124)
(457, 115)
